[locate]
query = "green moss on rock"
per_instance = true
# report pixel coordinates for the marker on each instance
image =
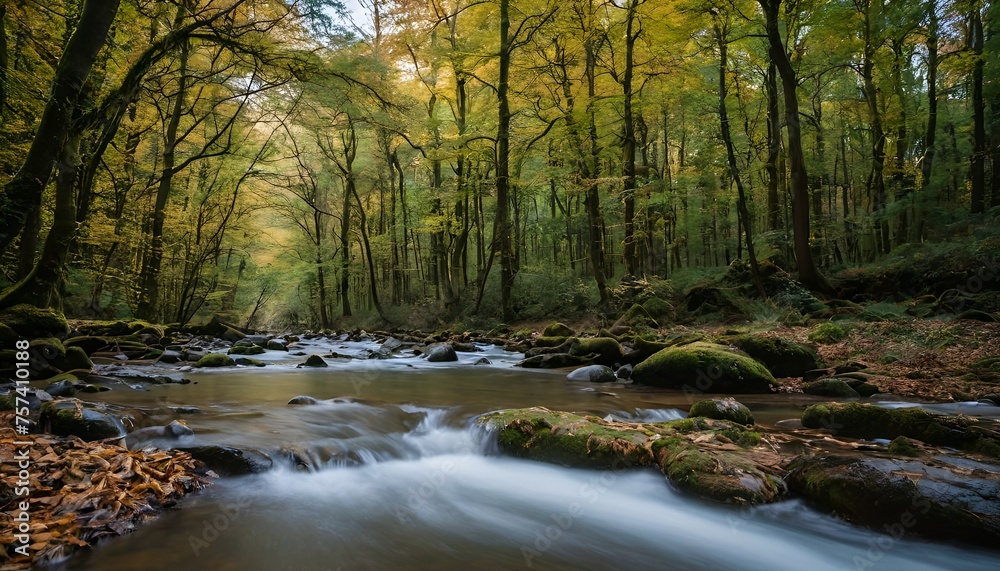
(704, 367)
(830, 388)
(88, 421)
(722, 409)
(782, 357)
(827, 333)
(870, 421)
(215, 360)
(30, 322)
(558, 330)
(246, 350)
(75, 359)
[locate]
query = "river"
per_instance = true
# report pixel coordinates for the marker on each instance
(397, 477)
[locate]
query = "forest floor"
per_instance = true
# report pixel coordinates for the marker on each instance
(932, 359)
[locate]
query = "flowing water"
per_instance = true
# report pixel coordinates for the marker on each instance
(390, 473)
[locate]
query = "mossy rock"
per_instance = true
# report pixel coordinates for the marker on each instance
(643, 349)
(729, 475)
(554, 361)
(75, 359)
(943, 503)
(782, 357)
(722, 409)
(246, 350)
(658, 308)
(48, 349)
(608, 351)
(30, 322)
(249, 362)
(704, 367)
(314, 361)
(558, 330)
(868, 421)
(89, 343)
(903, 446)
(827, 333)
(637, 317)
(830, 388)
(215, 360)
(89, 421)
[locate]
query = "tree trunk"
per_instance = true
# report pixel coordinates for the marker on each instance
(978, 114)
(927, 164)
(808, 274)
(501, 224)
(773, 148)
(628, 141)
(149, 276)
(876, 178)
(25, 189)
(734, 169)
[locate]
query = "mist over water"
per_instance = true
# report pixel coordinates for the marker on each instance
(397, 477)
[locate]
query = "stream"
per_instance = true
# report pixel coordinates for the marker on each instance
(397, 477)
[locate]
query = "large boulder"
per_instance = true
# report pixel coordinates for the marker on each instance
(231, 461)
(782, 357)
(869, 421)
(722, 409)
(704, 367)
(440, 353)
(215, 360)
(89, 421)
(933, 498)
(593, 374)
(713, 459)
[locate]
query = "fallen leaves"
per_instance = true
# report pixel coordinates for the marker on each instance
(83, 492)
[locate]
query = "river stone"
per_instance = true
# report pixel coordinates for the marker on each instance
(704, 367)
(170, 357)
(89, 421)
(928, 496)
(722, 409)
(624, 372)
(830, 388)
(173, 431)
(439, 353)
(63, 388)
(817, 374)
(215, 360)
(314, 361)
(276, 345)
(607, 350)
(258, 339)
(482, 361)
(553, 361)
(249, 362)
(593, 374)
(231, 461)
(303, 399)
(391, 344)
(782, 357)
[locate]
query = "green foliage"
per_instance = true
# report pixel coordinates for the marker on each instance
(827, 333)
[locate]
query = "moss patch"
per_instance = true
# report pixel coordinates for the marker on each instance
(608, 351)
(30, 322)
(704, 367)
(215, 360)
(558, 330)
(782, 357)
(827, 333)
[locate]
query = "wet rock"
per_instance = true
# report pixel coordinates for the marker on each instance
(249, 362)
(870, 422)
(89, 421)
(782, 357)
(464, 347)
(722, 409)
(704, 367)
(391, 344)
(276, 345)
(62, 388)
(88, 388)
(173, 431)
(215, 360)
(482, 361)
(830, 388)
(440, 353)
(231, 461)
(558, 330)
(930, 497)
(817, 374)
(713, 459)
(260, 340)
(89, 344)
(624, 372)
(303, 399)
(903, 446)
(246, 350)
(170, 357)
(593, 374)
(314, 361)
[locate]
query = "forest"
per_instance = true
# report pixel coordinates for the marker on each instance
(293, 163)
